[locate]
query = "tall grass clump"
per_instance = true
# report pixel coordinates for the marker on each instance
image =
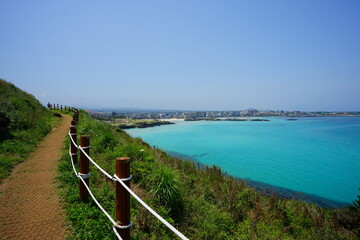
(200, 201)
(27, 122)
(165, 186)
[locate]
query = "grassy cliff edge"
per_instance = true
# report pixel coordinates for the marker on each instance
(202, 202)
(24, 122)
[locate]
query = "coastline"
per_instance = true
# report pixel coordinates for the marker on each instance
(143, 124)
(172, 120)
(268, 189)
(279, 155)
(168, 121)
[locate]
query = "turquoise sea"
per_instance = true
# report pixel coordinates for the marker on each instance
(318, 158)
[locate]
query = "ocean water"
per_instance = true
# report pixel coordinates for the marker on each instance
(315, 156)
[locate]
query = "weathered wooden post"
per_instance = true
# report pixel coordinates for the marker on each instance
(73, 147)
(122, 210)
(76, 116)
(84, 167)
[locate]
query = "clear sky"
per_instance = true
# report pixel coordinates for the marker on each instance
(186, 55)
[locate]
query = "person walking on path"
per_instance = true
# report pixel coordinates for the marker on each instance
(29, 205)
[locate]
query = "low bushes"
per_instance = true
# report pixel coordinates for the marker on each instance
(29, 123)
(202, 202)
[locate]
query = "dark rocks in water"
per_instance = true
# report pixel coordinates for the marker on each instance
(144, 124)
(235, 119)
(260, 120)
(286, 193)
(291, 119)
(232, 119)
(124, 126)
(243, 119)
(267, 189)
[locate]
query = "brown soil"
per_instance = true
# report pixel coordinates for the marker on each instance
(29, 202)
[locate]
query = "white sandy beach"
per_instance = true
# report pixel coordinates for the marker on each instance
(172, 119)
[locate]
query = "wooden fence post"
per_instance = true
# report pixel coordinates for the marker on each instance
(76, 116)
(73, 147)
(122, 210)
(84, 167)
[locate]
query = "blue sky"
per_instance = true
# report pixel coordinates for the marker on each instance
(193, 55)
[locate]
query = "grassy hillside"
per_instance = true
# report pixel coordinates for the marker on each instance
(203, 203)
(24, 122)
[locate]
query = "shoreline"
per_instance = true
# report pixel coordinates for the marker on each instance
(172, 119)
(143, 124)
(281, 188)
(252, 118)
(265, 188)
(168, 121)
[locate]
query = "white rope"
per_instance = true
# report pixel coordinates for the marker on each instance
(82, 149)
(72, 163)
(84, 175)
(116, 178)
(124, 179)
(116, 233)
(73, 140)
(78, 176)
(103, 210)
(102, 170)
(179, 234)
(125, 226)
(97, 203)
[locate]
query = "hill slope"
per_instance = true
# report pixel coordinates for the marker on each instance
(23, 123)
(202, 202)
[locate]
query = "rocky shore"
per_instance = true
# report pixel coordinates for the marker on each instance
(144, 124)
(228, 119)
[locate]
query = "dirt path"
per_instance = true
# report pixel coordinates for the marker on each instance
(29, 205)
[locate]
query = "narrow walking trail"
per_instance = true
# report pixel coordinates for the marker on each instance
(29, 204)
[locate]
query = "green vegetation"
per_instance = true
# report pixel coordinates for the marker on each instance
(202, 202)
(125, 123)
(357, 202)
(24, 122)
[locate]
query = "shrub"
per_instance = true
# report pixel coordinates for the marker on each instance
(29, 123)
(164, 183)
(201, 202)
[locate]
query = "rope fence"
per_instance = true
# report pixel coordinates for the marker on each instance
(61, 107)
(122, 179)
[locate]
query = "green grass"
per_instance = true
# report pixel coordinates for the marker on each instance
(29, 123)
(202, 202)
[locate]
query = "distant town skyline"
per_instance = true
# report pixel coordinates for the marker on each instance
(186, 55)
(212, 115)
